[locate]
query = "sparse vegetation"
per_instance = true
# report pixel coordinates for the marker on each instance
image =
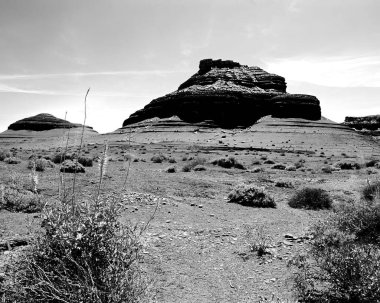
(311, 198)
(40, 164)
(342, 263)
(347, 165)
(251, 195)
(171, 169)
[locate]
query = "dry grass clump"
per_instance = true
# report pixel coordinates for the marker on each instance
(69, 166)
(251, 195)
(284, 184)
(229, 162)
(257, 239)
(19, 195)
(371, 191)
(40, 164)
(311, 198)
(193, 163)
(342, 263)
(5, 154)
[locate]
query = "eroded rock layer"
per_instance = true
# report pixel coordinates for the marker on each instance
(42, 122)
(231, 95)
(363, 123)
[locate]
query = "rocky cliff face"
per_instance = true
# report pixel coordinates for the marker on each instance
(231, 95)
(43, 122)
(363, 123)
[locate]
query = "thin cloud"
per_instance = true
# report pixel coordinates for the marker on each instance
(333, 71)
(15, 90)
(88, 74)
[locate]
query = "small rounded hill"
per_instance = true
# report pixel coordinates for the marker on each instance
(42, 122)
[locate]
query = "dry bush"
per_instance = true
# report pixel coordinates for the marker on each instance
(19, 195)
(342, 263)
(172, 160)
(347, 165)
(12, 160)
(40, 164)
(69, 166)
(257, 239)
(279, 166)
(5, 154)
(200, 167)
(371, 163)
(284, 184)
(371, 191)
(251, 195)
(311, 198)
(193, 163)
(84, 255)
(269, 162)
(171, 169)
(158, 158)
(229, 162)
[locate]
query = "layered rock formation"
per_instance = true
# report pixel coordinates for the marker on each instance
(42, 122)
(363, 123)
(230, 95)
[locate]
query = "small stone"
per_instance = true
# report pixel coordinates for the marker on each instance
(200, 206)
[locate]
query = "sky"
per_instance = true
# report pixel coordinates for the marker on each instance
(130, 52)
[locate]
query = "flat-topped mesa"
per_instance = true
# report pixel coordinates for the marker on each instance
(363, 123)
(231, 95)
(43, 122)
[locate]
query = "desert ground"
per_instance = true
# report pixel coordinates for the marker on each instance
(195, 247)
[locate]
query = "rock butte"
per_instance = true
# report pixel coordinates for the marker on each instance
(366, 123)
(229, 95)
(43, 122)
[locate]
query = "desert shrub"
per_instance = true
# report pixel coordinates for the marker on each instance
(5, 154)
(342, 263)
(257, 239)
(311, 198)
(171, 169)
(269, 162)
(193, 163)
(199, 167)
(347, 165)
(40, 164)
(158, 158)
(371, 163)
(290, 168)
(84, 255)
(284, 184)
(371, 191)
(229, 162)
(18, 195)
(172, 160)
(279, 166)
(251, 195)
(69, 166)
(299, 163)
(256, 162)
(257, 170)
(327, 169)
(12, 160)
(85, 161)
(60, 157)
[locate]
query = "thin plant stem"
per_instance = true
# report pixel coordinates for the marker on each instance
(80, 148)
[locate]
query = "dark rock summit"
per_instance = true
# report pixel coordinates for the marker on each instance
(230, 95)
(363, 123)
(43, 122)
